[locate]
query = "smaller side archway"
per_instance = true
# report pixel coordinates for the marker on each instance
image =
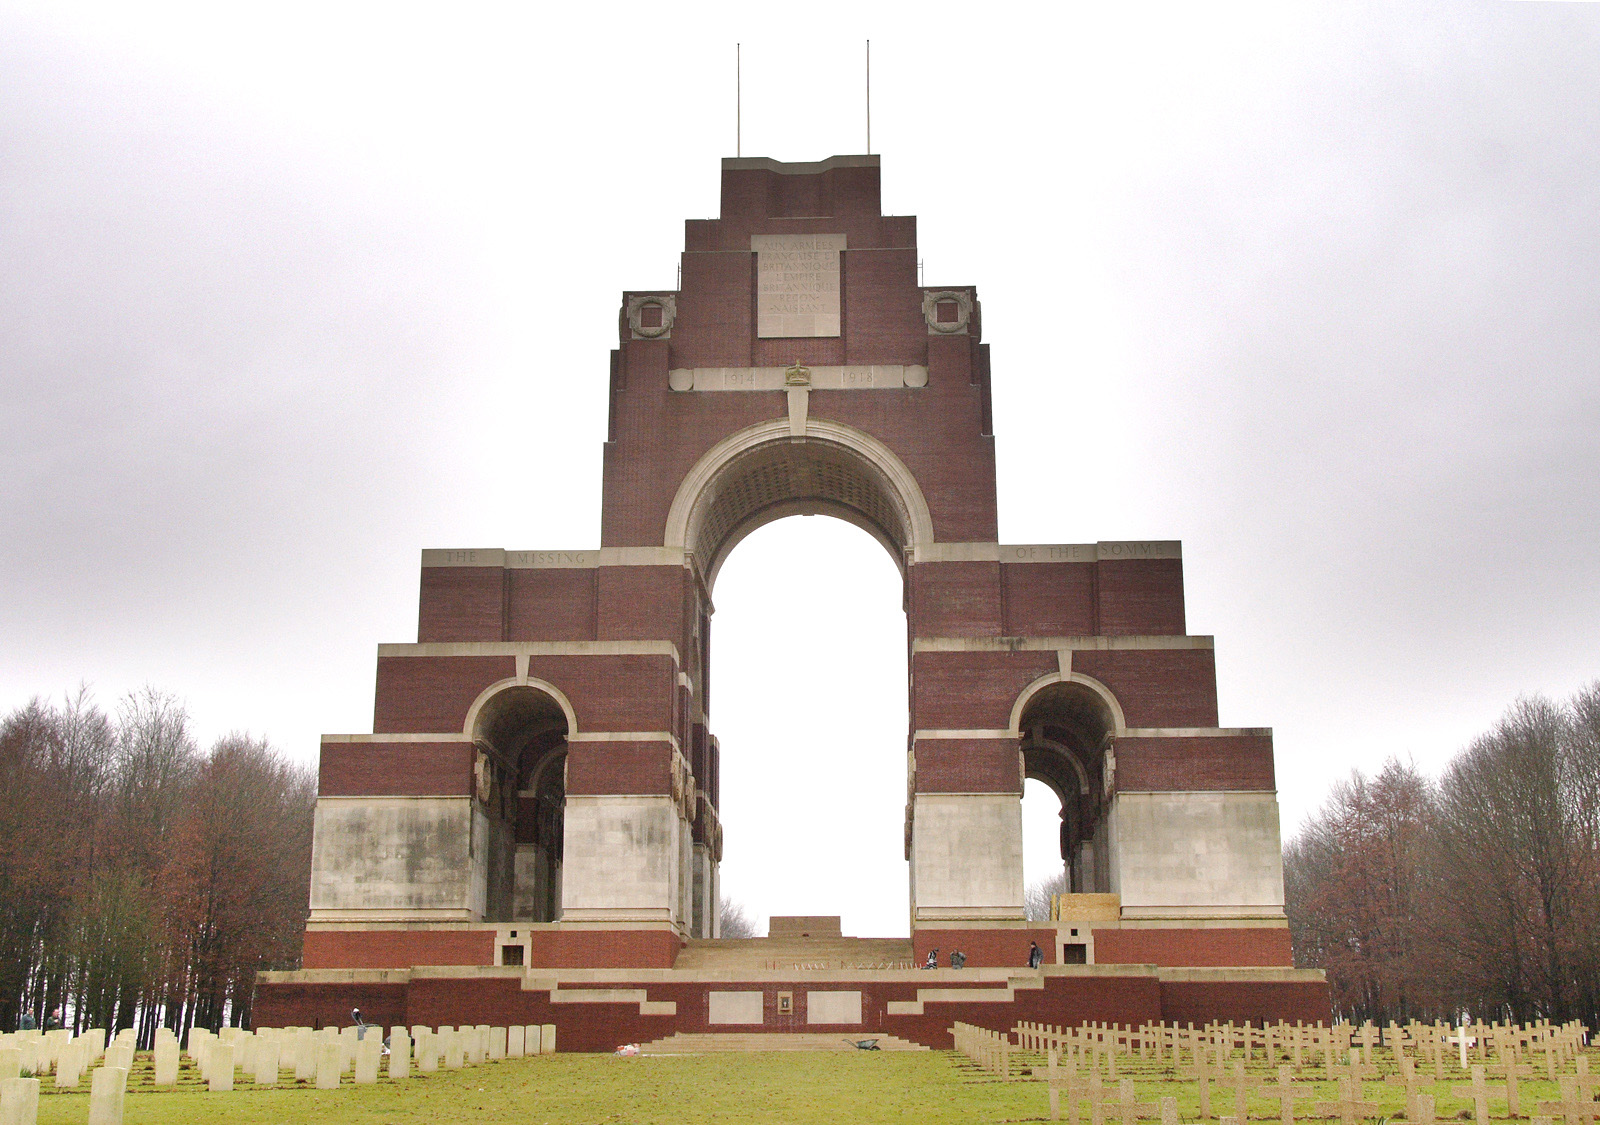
(520, 737)
(1066, 728)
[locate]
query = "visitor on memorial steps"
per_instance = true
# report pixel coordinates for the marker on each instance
(1035, 955)
(933, 959)
(958, 959)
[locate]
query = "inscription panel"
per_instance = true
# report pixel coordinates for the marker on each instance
(797, 284)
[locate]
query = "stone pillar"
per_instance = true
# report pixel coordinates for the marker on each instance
(399, 857)
(621, 859)
(1155, 867)
(966, 856)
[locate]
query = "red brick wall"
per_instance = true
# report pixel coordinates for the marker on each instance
(556, 604)
(1161, 764)
(972, 765)
(1157, 687)
(956, 599)
(1141, 597)
(1259, 1002)
(1049, 599)
(461, 603)
(613, 693)
(321, 1005)
(972, 690)
(383, 769)
(431, 694)
(397, 949)
(641, 602)
(1230, 948)
(1066, 1001)
(985, 948)
(619, 767)
(603, 949)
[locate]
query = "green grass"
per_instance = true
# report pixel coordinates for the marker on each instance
(928, 1088)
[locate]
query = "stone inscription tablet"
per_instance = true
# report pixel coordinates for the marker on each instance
(797, 284)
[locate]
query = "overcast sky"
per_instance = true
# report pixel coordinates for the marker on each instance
(289, 292)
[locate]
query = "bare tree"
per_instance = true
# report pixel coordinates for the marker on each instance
(138, 876)
(733, 921)
(1036, 899)
(1475, 895)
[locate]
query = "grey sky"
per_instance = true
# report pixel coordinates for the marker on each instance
(289, 292)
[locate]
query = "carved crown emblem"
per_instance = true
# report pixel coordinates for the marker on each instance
(797, 376)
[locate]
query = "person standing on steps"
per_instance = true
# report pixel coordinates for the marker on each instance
(1035, 955)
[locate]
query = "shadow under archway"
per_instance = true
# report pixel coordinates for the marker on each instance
(521, 741)
(1066, 732)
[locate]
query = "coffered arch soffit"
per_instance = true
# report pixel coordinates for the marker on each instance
(765, 472)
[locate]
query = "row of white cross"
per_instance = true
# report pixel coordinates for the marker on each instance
(1097, 1046)
(1216, 1042)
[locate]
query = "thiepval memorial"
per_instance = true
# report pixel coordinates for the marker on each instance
(531, 833)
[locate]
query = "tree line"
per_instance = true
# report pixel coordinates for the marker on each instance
(143, 881)
(1477, 893)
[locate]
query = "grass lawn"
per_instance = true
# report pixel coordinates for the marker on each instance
(798, 1087)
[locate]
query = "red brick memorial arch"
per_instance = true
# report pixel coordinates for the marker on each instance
(540, 790)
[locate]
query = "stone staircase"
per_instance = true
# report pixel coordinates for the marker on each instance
(788, 954)
(698, 1043)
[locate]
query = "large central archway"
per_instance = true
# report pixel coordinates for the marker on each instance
(811, 719)
(766, 472)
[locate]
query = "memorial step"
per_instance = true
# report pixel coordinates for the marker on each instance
(703, 1042)
(785, 954)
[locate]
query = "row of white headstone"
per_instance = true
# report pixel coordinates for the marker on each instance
(37, 1053)
(324, 1055)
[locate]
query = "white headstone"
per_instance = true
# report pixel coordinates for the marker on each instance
(516, 1037)
(305, 1055)
(266, 1060)
(455, 1054)
(497, 1042)
(530, 1039)
(69, 1068)
(106, 1091)
(330, 1064)
(369, 1053)
(166, 1061)
(547, 1039)
(10, 1062)
(219, 1067)
(19, 1101)
(399, 1053)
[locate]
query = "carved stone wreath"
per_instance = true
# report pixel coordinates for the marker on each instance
(930, 311)
(666, 302)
